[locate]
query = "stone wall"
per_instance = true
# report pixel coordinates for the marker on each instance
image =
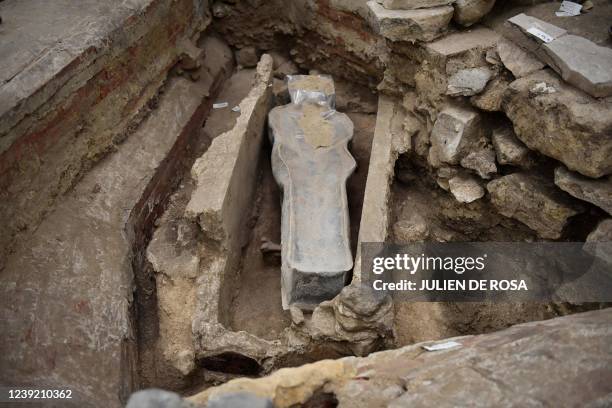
(82, 85)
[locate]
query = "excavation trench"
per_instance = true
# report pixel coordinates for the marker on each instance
(119, 172)
(241, 303)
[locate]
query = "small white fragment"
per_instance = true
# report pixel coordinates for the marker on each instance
(220, 105)
(542, 88)
(236, 108)
(568, 9)
(536, 32)
(442, 346)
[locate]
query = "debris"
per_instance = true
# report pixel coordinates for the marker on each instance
(569, 9)
(442, 346)
(236, 108)
(542, 88)
(220, 105)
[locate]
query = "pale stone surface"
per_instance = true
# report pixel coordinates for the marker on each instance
(465, 188)
(464, 42)
(482, 162)
(577, 350)
(522, 23)
(374, 225)
(509, 150)
(598, 192)
(413, 4)
(469, 12)
(517, 60)
(84, 250)
(582, 63)
(316, 252)
(566, 124)
(456, 131)
(534, 201)
(468, 82)
(409, 25)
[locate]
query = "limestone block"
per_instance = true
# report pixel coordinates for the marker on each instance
(469, 12)
(517, 60)
(564, 124)
(482, 162)
(523, 32)
(508, 149)
(413, 4)
(598, 192)
(534, 201)
(468, 82)
(311, 163)
(465, 188)
(456, 131)
(490, 99)
(582, 63)
(409, 25)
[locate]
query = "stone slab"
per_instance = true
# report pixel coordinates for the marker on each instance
(582, 143)
(311, 163)
(409, 25)
(595, 191)
(534, 201)
(530, 41)
(413, 4)
(79, 78)
(456, 131)
(375, 213)
(582, 63)
(67, 294)
(469, 12)
(564, 361)
(517, 60)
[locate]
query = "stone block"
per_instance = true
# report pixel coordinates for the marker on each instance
(413, 4)
(563, 122)
(469, 12)
(533, 201)
(508, 149)
(409, 25)
(465, 188)
(581, 63)
(468, 82)
(456, 131)
(525, 26)
(311, 163)
(519, 61)
(481, 161)
(595, 191)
